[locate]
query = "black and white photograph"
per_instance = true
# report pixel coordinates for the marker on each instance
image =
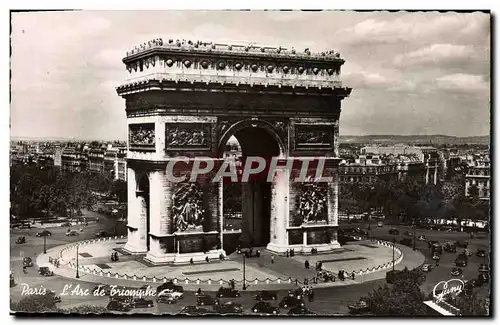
(276, 163)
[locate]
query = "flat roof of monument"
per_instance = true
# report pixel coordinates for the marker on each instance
(250, 49)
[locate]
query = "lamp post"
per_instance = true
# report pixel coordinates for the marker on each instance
(45, 244)
(393, 247)
(414, 234)
(244, 280)
(77, 275)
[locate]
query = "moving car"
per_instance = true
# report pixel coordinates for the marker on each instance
(194, 310)
(431, 243)
(167, 298)
(408, 233)
(205, 300)
(437, 248)
(300, 310)
(427, 268)
(228, 308)
(422, 238)
(483, 278)
(21, 240)
(436, 256)
(27, 262)
(461, 261)
(290, 302)
(43, 233)
(359, 307)
(72, 233)
(393, 231)
(380, 224)
(101, 234)
(456, 271)
(45, 271)
(263, 307)
(480, 253)
(227, 293)
(140, 302)
(169, 286)
(450, 248)
(118, 305)
(484, 268)
(467, 252)
(266, 295)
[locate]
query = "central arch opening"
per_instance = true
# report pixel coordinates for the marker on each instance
(247, 205)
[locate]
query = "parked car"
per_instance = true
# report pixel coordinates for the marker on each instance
(45, 271)
(263, 307)
(117, 305)
(484, 268)
(290, 302)
(167, 298)
(194, 310)
(227, 293)
(427, 268)
(456, 271)
(422, 238)
(205, 300)
(228, 308)
(72, 233)
(300, 310)
(27, 262)
(101, 234)
(393, 231)
(480, 253)
(359, 307)
(43, 233)
(266, 295)
(21, 240)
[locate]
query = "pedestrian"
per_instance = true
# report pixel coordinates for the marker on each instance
(353, 275)
(272, 259)
(287, 252)
(311, 295)
(340, 274)
(306, 281)
(257, 254)
(191, 261)
(112, 257)
(198, 292)
(231, 283)
(306, 264)
(206, 259)
(25, 269)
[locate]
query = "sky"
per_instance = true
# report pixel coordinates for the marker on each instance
(412, 73)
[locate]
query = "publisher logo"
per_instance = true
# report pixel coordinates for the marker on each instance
(451, 287)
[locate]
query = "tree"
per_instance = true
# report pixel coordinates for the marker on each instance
(402, 298)
(35, 303)
(85, 309)
(119, 190)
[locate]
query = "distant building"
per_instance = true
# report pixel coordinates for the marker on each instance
(120, 164)
(96, 160)
(58, 157)
(73, 160)
(478, 177)
(367, 169)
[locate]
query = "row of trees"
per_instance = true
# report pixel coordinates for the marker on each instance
(45, 192)
(412, 199)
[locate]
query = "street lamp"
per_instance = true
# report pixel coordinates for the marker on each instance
(45, 244)
(244, 280)
(77, 275)
(414, 234)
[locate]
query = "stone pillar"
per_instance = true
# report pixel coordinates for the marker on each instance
(159, 218)
(333, 205)
(279, 211)
(435, 175)
(134, 244)
(427, 173)
(304, 238)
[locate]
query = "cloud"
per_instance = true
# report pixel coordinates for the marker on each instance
(436, 53)
(417, 26)
(463, 82)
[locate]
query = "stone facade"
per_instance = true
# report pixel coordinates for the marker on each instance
(184, 100)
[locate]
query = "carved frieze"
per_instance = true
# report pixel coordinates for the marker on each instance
(141, 136)
(187, 207)
(313, 136)
(311, 205)
(188, 136)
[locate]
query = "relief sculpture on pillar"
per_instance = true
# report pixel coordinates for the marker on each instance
(187, 207)
(188, 136)
(141, 135)
(312, 202)
(312, 136)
